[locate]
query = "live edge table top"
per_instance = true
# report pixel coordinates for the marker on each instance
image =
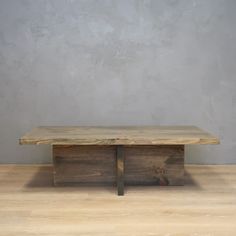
(118, 135)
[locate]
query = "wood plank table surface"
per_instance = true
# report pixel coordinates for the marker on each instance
(131, 155)
(118, 135)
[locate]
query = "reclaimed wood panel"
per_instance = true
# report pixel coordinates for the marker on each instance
(122, 135)
(154, 165)
(84, 164)
(146, 165)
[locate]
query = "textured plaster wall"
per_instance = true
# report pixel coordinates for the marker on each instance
(117, 63)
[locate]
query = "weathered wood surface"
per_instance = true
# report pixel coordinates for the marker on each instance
(154, 165)
(145, 165)
(125, 135)
(84, 164)
(31, 205)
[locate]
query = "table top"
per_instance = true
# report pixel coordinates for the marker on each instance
(118, 135)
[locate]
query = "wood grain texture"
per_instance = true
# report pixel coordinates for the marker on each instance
(125, 135)
(84, 164)
(30, 205)
(144, 165)
(154, 165)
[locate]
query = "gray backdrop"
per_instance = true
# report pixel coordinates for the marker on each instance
(117, 63)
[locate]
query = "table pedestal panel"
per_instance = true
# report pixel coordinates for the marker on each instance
(118, 165)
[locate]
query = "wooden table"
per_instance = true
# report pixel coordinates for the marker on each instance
(125, 155)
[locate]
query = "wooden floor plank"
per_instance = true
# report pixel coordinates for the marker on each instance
(30, 205)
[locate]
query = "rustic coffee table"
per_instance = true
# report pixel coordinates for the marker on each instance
(124, 155)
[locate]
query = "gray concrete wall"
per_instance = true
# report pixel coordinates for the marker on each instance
(117, 63)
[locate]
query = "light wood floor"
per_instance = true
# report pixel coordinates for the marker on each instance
(30, 205)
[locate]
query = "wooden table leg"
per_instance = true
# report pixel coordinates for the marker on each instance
(120, 170)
